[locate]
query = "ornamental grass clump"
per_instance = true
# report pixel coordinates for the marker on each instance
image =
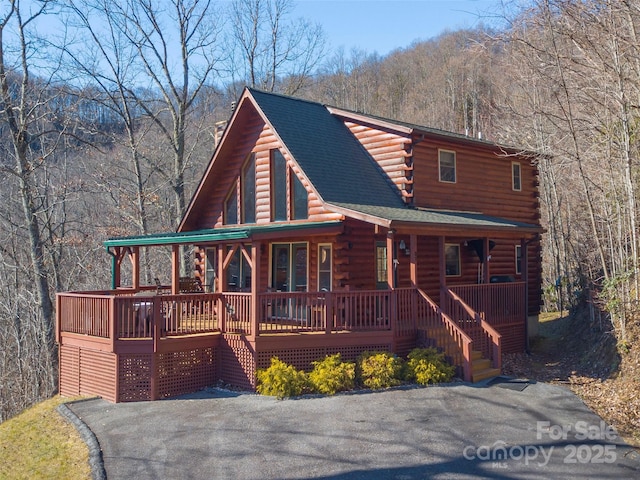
(281, 380)
(379, 370)
(427, 365)
(332, 375)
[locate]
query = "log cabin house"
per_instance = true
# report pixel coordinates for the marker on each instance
(317, 230)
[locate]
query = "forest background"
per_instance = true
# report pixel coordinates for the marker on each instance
(107, 124)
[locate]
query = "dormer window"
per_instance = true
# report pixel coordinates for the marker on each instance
(289, 197)
(447, 166)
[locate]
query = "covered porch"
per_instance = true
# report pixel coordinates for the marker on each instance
(144, 342)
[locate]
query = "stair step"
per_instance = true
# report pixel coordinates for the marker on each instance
(476, 354)
(484, 374)
(480, 364)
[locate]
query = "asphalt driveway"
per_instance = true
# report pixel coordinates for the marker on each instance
(447, 432)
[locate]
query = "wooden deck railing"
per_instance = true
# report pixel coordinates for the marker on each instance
(446, 333)
(500, 304)
(485, 338)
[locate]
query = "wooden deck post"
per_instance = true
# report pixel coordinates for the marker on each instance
(390, 259)
(135, 267)
(328, 312)
(442, 269)
(413, 258)
(175, 269)
(255, 282)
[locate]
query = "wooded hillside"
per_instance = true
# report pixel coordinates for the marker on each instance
(107, 124)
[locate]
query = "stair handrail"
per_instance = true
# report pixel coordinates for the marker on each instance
(489, 331)
(463, 341)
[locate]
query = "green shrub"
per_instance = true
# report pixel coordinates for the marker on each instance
(427, 365)
(281, 380)
(332, 375)
(379, 369)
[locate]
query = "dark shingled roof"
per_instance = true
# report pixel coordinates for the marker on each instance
(335, 162)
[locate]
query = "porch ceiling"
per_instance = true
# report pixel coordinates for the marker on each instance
(430, 221)
(244, 232)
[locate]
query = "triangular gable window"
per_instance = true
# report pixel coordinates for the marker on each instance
(240, 204)
(289, 197)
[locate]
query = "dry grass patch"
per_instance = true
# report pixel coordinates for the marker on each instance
(40, 443)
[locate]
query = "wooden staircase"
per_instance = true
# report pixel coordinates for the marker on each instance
(481, 368)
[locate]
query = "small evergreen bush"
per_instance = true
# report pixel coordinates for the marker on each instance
(281, 380)
(379, 369)
(427, 365)
(332, 375)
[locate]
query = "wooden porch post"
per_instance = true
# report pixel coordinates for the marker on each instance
(175, 269)
(485, 271)
(135, 267)
(442, 268)
(390, 260)
(255, 277)
(413, 258)
(220, 270)
(524, 270)
(116, 268)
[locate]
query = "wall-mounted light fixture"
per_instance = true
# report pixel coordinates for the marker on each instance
(403, 246)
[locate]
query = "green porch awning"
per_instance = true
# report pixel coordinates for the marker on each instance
(244, 232)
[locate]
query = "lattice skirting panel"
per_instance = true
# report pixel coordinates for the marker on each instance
(87, 372)
(237, 362)
(178, 373)
(301, 358)
(134, 372)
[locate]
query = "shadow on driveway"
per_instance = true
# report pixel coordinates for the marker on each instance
(453, 431)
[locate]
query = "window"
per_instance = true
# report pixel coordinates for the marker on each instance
(248, 188)
(210, 269)
(324, 268)
(300, 201)
(231, 206)
(289, 198)
(289, 267)
(516, 175)
(447, 166)
(452, 260)
(381, 265)
(518, 259)
(278, 186)
(238, 272)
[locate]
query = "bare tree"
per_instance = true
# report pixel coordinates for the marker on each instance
(275, 53)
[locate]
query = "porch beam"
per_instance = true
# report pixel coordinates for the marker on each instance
(413, 258)
(175, 269)
(390, 259)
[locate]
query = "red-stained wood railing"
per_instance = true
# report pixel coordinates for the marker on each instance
(499, 304)
(447, 334)
(293, 312)
(485, 338)
(236, 312)
(85, 314)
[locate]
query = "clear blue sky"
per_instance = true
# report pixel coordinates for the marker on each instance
(385, 25)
